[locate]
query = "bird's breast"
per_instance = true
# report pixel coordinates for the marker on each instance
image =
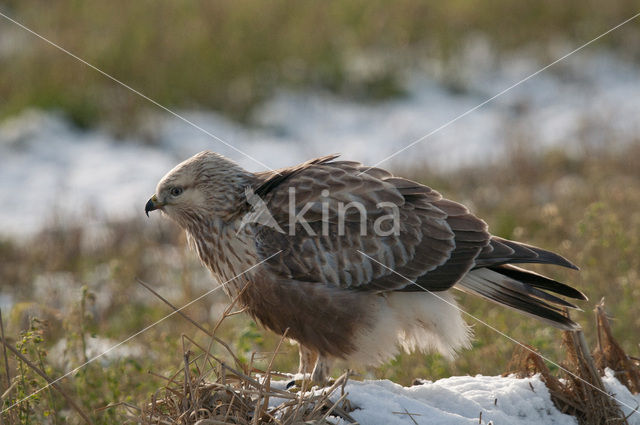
(229, 257)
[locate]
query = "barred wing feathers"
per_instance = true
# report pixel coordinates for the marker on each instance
(437, 242)
(440, 244)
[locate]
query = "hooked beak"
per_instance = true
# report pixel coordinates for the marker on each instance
(152, 204)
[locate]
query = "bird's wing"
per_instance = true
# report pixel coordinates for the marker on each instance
(436, 242)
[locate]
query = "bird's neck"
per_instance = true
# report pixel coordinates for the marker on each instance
(235, 204)
(227, 252)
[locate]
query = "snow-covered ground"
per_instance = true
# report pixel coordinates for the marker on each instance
(47, 166)
(457, 400)
(469, 400)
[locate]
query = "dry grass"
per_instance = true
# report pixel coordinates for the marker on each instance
(209, 391)
(224, 395)
(609, 354)
(581, 392)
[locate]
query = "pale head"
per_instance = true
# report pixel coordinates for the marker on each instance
(206, 186)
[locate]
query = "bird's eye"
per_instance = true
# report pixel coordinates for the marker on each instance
(175, 191)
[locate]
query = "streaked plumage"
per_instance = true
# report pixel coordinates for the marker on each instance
(342, 292)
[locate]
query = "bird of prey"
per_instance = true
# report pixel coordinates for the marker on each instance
(353, 262)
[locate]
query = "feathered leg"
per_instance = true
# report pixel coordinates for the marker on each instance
(321, 370)
(308, 359)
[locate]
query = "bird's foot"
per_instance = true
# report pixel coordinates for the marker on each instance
(307, 382)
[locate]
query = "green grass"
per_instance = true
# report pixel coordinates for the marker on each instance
(229, 56)
(583, 207)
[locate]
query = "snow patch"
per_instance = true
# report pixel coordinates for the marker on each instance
(49, 167)
(456, 400)
(622, 393)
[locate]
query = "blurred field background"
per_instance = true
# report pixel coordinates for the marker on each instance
(229, 56)
(69, 291)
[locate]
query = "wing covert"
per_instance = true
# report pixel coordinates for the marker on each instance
(340, 211)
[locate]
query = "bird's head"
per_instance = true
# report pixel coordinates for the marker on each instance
(204, 187)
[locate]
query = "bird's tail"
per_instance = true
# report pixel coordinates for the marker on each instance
(522, 290)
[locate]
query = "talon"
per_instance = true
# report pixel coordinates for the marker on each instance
(297, 384)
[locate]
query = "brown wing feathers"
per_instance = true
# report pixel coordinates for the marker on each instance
(470, 236)
(517, 295)
(441, 244)
(271, 179)
(538, 281)
(495, 279)
(503, 251)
